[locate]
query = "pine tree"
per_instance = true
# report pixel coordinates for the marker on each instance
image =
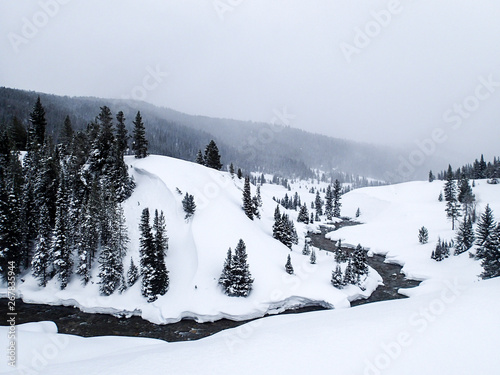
(147, 253)
(485, 228)
(225, 279)
(359, 262)
(239, 174)
(341, 255)
(277, 226)
(337, 195)
(338, 278)
(288, 266)
(40, 263)
(490, 255)
(306, 250)
(318, 203)
(240, 276)
(188, 205)
(37, 124)
(349, 275)
(453, 212)
(132, 274)
(311, 220)
(160, 241)
(231, 168)
(312, 258)
(140, 143)
(465, 236)
(423, 235)
(212, 156)
(329, 202)
(431, 176)
(450, 189)
(440, 198)
(121, 134)
(66, 136)
(60, 250)
(303, 216)
(247, 199)
(18, 134)
(199, 158)
(358, 213)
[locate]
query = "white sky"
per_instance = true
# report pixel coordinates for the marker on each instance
(262, 55)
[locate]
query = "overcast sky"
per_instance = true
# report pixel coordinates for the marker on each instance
(338, 67)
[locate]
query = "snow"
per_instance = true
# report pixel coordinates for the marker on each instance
(197, 249)
(451, 331)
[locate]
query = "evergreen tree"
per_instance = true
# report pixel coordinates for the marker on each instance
(359, 262)
(239, 174)
(490, 255)
(440, 198)
(121, 134)
(147, 253)
(161, 281)
(311, 220)
(337, 277)
(329, 203)
(431, 176)
(132, 274)
(318, 203)
(423, 235)
(225, 279)
(312, 258)
(60, 250)
(485, 227)
(66, 136)
(465, 236)
(453, 212)
(240, 275)
(349, 275)
(288, 265)
(341, 254)
(231, 168)
(441, 251)
(255, 207)
(337, 195)
(358, 213)
(212, 156)
(38, 123)
(40, 263)
(139, 143)
(18, 134)
(303, 216)
(188, 205)
(306, 250)
(247, 199)
(465, 195)
(450, 189)
(199, 158)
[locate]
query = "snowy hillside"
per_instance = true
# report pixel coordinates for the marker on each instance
(197, 249)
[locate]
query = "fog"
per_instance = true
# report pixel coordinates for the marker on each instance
(386, 72)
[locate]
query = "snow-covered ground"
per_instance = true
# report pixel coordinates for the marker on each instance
(197, 250)
(451, 331)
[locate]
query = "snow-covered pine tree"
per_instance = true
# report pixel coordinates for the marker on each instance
(312, 258)
(431, 176)
(306, 250)
(485, 227)
(465, 236)
(311, 220)
(121, 134)
(40, 263)
(277, 226)
(288, 265)
(329, 203)
(341, 255)
(450, 189)
(258, 197)
(60, 249)
(225, 279)
(199, 158)
(255, 207)
(139, 143)
(337, 277)
(337, 195)
(188, 205)
(247, 199)
(423, 235)
(212, 156)
(359, 262)
(349, 275)
(318, 203)
(453, 212)
(239, 174)
(490, 255)
(440, 198)
(231, 170)
(148, 259)
(160, 241)
(240, 276)
(132, 273)
(303, 216)
(358, 213)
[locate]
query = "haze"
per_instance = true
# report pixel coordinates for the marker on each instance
(424, 65)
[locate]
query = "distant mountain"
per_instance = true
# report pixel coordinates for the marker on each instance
(271, 148)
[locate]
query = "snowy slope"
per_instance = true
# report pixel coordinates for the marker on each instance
(392, 216)
(452, 331)
(197, 249)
